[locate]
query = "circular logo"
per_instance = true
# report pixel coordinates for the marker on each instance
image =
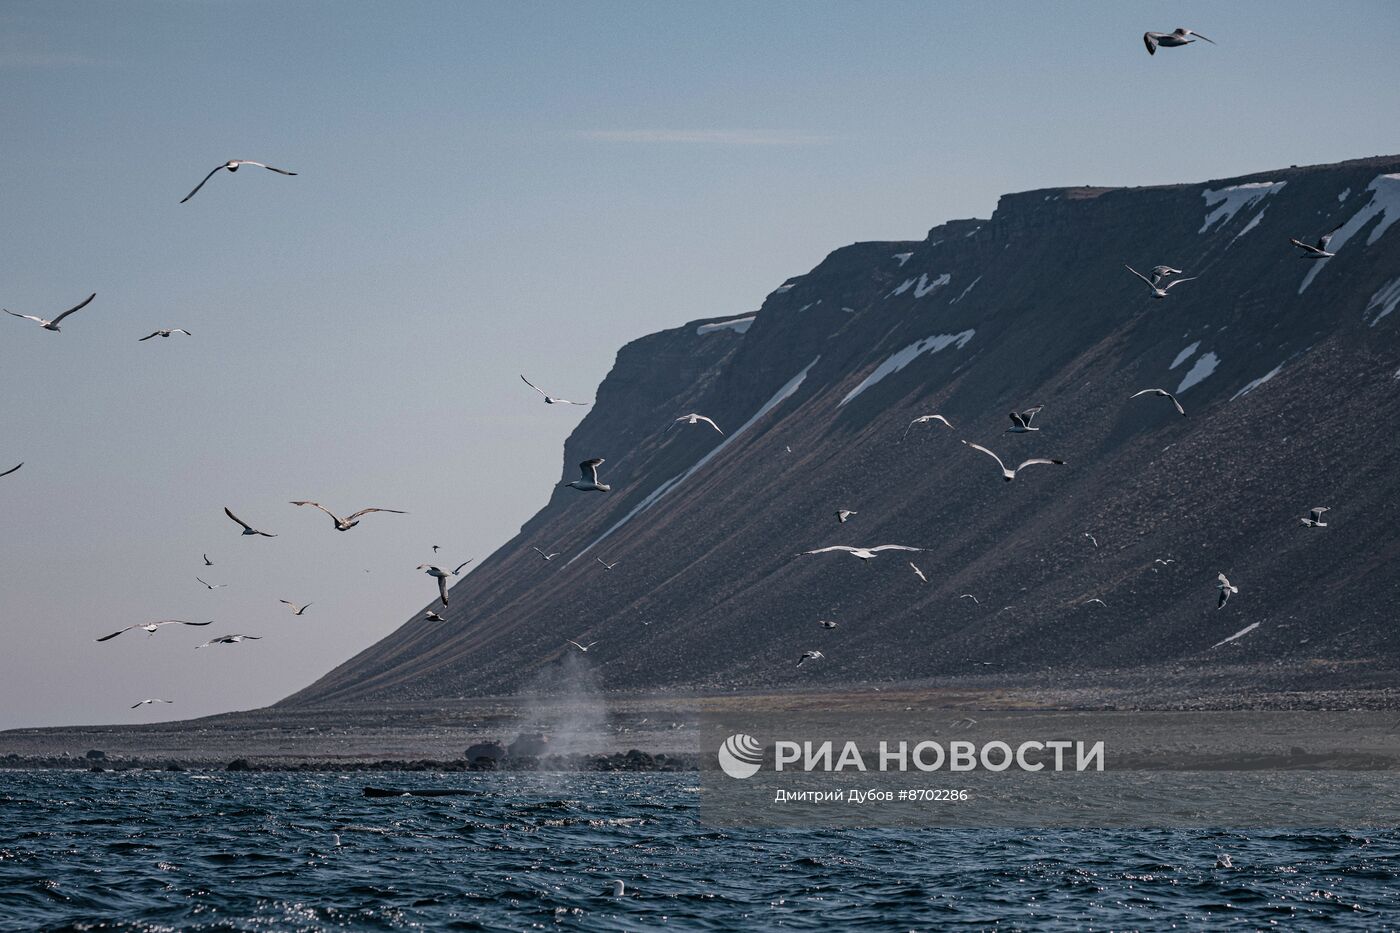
(741, 756)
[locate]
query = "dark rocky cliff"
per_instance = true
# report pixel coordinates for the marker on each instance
(1288, 369)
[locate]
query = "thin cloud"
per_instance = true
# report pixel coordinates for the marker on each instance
(708, 137)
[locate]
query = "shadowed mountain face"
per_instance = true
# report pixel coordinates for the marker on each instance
(1288, 369)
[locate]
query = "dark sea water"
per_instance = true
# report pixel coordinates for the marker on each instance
(155, 851)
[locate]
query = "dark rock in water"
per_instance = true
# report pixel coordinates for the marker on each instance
(531, 745)
(175, 766)
(484, 764)
(492, 750)
(95, 755)
(238, 764)
(97, 769)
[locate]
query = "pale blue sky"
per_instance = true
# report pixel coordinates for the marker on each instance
(478, 182)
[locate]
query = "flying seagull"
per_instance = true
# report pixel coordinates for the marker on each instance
(145, 702)
(971, 597)
(583, 648)
(350, 521)
(543, 554)
(864, 553)
(434, 617)
(1164, 394)
(433, 570)
(150, 627)
(1170, 40)
(1314, 519)
(588, 477)
(52, 325)
(227, 640)
(211, 586)
(551, 400)
(1161, 272)
(435, 548)
(232, 166)
(1320, 250)
(810, 656)
(12, 469)
(843, 514)
(924, 419)
(1096, 600)
(165, 333)
(1164, 562)
(827, 623)
(1092, 538)
(247, 528)
(207, 561)
(693, 418)
(1009, 475)
(296, 610)
(1158, 291)
(1226, 588)
(606, 565)
(919, 573)
(1021, 420)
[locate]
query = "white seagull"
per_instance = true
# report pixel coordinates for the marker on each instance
(1096, 600)
(1021, 421)
(434, 617)
(227, 640)
(232, 166)
(145, 702)
(1092, 538)
(583, 648)
(843, 514)
(296, 610)
(588, 477)
(433, 570)
(1320, 250)
(549, 399)
(150, 627)
(810, 656)
(165, 333)
(211, 586)
(918, 572)
(350, 521)
(247, 528)
(693, 418)
(827, 623)
(1226, 588)
(1158, 291)
(543, 554)
(924, 419)
(53, 325)
(971, 597)
(1009, 475)
(1161, 272)
(864, 553)
(1170, 40)
(1164, 394)
(1314, 519)
(606, 565)
(12, 469)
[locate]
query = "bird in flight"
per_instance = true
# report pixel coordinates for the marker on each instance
(971, 597)
(1226, 589)
(1096, 600)
(432, 616)
(862, 552)
(145, 702)
(165, 333)
(551, 400)
(1161, 272)
(606, 565)
(232, 166)
(693, 418)
(543, 554)
(1158, 291)
(1009, 475)
(228, 640)
(588, 477)
(247, 528)
(1320, 250)
(53, 325)
(211, 586)
(150, 627)
(924, 419)
(843, 514)
(1170, 40)
(1164, 394)
(296, 610)
(207, 561)
(1092, 538)
(350, 521)
(827, 623)
(433, 570)
(810, 656)
(1314, 519)
(435, 548)
(919, 573)
(1021, 421)
(583, 648)
(12, 469)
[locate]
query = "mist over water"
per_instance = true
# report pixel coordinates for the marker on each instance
(566, 705)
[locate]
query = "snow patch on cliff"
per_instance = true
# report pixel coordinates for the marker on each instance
(926, 287)
(1250, 387)
(1230, 201)
(903, 287)
(1384, 203)
(1203, 368)
(1385, 300)
(1185, 355)
(965, 291)
(660, 492)
(1249, 226)
(902, 257)
(909, 354)
(739, 325)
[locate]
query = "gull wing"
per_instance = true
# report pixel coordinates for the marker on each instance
(77, 307)
(356, 515)
(462, 564)
(1317, 513)
(895, 547)
(116, 633)
(1199, 36)
(1139, 274)
(987, 452)
(1326, 238)
(237, 519)
(198, 186)
(1149, 39)
(834, 547)
(442, 589)
(27, 317)
(1172, 285)
(273, 168)
(1039, 460)
(1308, 246)
(12, 469)
(711, 423)
(588, 469)
(319, 506)
(1029, 414)
(533, 386)
(148, 337)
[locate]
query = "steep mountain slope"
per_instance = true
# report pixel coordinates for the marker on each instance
(1288, 369)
